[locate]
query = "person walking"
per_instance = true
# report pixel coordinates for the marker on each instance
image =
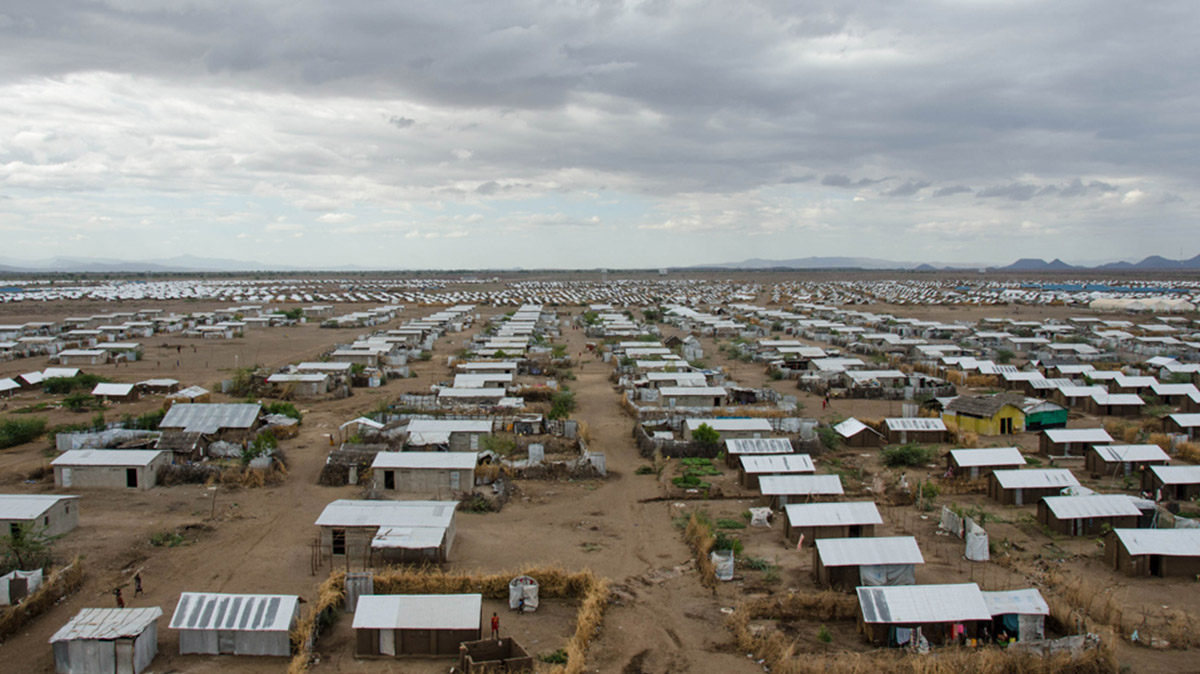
(120, 599)
(495, 624)
(137, 585)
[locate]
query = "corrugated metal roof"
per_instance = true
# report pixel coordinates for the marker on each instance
(348, 513)
(8, 385)
(241, 612)
(758, 446)
(992, 456)
(106, 457)
(915, 424)
(1096, 505)
(112, 389)
(832, 514)
(726, 424)
(1037, 478)
(27, 506)
(419, 611)
(443, 460)
(916, 604)
(1058, 435)
(869, 551)
(787, 485)
(107, 623)
(1167, 542)
(777, 463)
(1186, 420)
(1177, 474)
(210, 417)
(692, 390)
(1123, 453)
(449, 426)
(852, 427)
(1016, 602)
(409, 538)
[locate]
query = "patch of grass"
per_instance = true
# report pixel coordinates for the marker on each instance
(645, 470)
(167, 539)
(689, 481)
(906, 455)
(32, 408)
(558, 657)
(730, 524)
(477, 504)
(590, 547)
(757, 563)
(15, 432)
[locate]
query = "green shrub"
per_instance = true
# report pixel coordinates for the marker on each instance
(706, 435)
(829, 437)
(167, 539)
(285, 408)
(906, 455)
(15, 432)
(558, 657)
(726, 542)
(725, 523)
(645, 470)
(689, 481)
(79, 401)
(562, 404)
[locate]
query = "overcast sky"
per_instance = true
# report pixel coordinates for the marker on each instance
(582, 134)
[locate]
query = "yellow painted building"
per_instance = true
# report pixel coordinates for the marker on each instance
(987, 415)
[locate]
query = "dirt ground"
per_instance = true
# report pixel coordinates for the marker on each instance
(622, 527)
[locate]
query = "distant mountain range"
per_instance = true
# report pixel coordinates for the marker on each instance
(1152, 263)
(179, 263)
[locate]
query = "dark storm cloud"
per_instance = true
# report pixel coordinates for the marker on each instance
(907, 188)
(952, 190)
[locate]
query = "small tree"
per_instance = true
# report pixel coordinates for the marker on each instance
(26, 547)
(706, 435)
(824, 636)
(1004, 356)
(562, 404)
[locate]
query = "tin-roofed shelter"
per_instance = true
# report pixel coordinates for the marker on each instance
(228, 421)
(729, 428)
(1087, 515)
(735, 448)
(1019, 613)
(780, 490)
(461, 435)
(915, 429)
(855, 433)
(754, 466)
(1001, 414)
(1072, 441)
(439, 474)
(107, 641)
(806, 522)
(1118, 460)
(236, 624)
(1172, 483)
(847, 563)
(1025, 487)
(393, 625)
(1154, 552)
(109, 468)
(893, 615)
(366, 531)
(973, 464)
(47, 514)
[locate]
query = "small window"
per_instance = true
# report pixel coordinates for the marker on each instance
(339, 541)
(46, 521)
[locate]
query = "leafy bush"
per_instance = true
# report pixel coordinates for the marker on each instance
(706, 435)
(829, 437)
(730, 524)
(167, 539)
(906, 455)
(264, 443)
(64, 385)
(499, 444)
(724, 541)
(293, 314)
(562, 404)
(79, 401)
(284, 408)
(645, 470)
(15, 432)
(558, 657)
(146, 422)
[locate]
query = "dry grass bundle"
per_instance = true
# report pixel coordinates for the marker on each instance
(61, 583)
(553, 582)
(1162, 440)
(1083, 606)
(320, 615)
(700, 538)
(955, 377)
(1124, 431)
(983, 381)
(756, 412)
(1188, 451)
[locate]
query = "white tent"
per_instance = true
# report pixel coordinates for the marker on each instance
(523, 586)
(16, 585)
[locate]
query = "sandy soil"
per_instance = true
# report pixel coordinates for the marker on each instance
(259, 540)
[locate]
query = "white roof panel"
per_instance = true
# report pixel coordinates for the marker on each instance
(431, 460)
(992, 456)
(409, 538)
(1177, 474)
(1095, 505)
(349, 513)
(832, 514)
(761, 446)
(107, 457)
(419, 611)
(1037, 478)
(777, 463)
(107, 623)
(27, 506)
(1089, 435)
(1016, 602)
(112, 389)
(240, 612)
(916, 604)
(210, 417)
(915, 424)
(1131, 453)
(728, 424)
(791, 485)
(869, 551)
(1167, 542)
